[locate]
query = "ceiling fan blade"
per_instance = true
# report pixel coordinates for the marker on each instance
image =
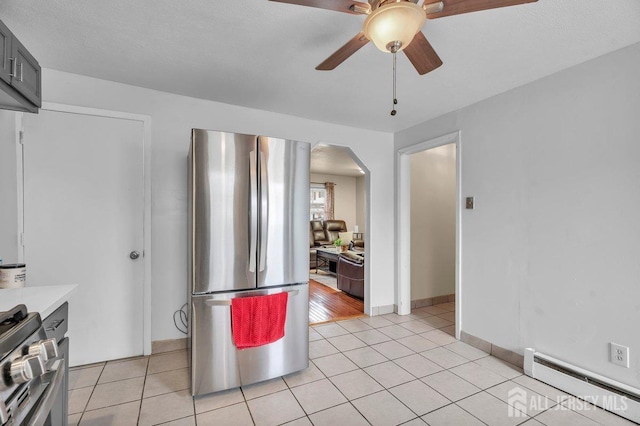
(457, 7)
(422, 55)
(346, 6)
(340, 55)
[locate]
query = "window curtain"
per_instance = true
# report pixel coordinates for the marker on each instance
(328, 207)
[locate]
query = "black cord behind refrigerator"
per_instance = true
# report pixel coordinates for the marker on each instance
(182, 314)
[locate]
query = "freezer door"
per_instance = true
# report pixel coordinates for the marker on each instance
(283, 251)
(223, 217)
(217, 365)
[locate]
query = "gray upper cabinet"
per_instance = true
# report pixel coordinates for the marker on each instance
(5, 53)
(20, 75)
(27, 76)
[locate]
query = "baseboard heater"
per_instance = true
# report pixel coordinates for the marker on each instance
(608, 394)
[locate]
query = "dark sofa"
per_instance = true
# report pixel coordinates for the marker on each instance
(323, 234)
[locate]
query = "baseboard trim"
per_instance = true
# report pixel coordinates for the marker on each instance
(421, 303)
(169, 345)
(504, 354)
(381, 310)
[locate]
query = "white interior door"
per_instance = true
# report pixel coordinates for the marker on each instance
(83, 216)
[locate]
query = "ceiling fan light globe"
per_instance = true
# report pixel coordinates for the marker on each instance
(392, 23)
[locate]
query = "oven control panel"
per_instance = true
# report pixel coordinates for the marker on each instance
(23, 374)
(26, 368)
(44, 349)
(30, 362)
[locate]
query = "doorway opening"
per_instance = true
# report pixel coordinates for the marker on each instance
(338, 220)
(429, 239)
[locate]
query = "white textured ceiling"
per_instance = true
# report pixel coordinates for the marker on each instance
(333, 160)
(262, 54)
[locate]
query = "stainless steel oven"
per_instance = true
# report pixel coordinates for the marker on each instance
(56, 326)
(33, 371)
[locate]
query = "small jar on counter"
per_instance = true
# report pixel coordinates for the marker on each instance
(13, 275)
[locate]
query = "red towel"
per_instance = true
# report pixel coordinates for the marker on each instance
(257, 321)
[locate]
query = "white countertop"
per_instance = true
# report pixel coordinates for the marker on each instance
(42, 299)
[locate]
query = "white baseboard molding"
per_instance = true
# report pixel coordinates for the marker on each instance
(381, 310)
(160, 346)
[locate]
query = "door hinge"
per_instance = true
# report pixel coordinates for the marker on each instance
(21, 137)
(21, 239)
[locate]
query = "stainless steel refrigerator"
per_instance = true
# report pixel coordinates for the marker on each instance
(249, 220)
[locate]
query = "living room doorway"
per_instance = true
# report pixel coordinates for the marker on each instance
(429, 216)
(338, 219)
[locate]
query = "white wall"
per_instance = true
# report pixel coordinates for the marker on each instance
(8, 189)
(433, 222)
(173, 117)
(344, 196)
(550, 255)
(361, 203)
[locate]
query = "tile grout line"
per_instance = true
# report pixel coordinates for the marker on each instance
(414, 377)
(400, 384)
(471, 414)
(246, 403)
(349, 401)
(384, 388)
(106, 383)
(345, 353)
(392, 361)
(91, 395)
(296, 398)
(144, 376)
(448, 369)
(144, 384)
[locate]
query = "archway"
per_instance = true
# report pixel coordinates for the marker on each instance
(340, 166)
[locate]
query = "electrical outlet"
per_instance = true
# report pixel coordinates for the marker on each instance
(619, 354)
(470, 204)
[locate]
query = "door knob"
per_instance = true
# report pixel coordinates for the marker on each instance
(134, 255)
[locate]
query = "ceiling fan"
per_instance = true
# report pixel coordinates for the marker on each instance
(394, 25)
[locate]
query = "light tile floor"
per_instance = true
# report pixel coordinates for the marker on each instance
(385, 370)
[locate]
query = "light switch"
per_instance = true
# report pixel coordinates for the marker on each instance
(470, 203)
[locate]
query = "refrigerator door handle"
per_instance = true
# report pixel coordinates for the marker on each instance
(253, 231)
(227, 302)
(218, 302)
(264, 211)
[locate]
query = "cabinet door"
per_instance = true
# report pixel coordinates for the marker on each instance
(5, 53)
(28, 78)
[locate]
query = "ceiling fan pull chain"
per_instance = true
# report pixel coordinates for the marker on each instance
(395, 101)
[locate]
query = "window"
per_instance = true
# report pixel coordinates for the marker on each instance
(317, 201)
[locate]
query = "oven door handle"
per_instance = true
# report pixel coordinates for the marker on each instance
(54, 325)
(46, 402)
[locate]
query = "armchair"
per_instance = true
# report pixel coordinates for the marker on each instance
(312, 249)
(317, 229)
(332, 229)
(351, 274)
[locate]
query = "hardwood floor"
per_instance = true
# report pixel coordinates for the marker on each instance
(327, 304)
